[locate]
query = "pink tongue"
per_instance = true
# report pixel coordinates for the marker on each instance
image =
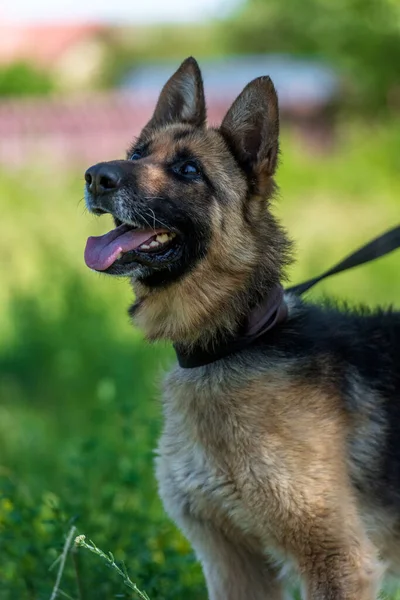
(102, 251)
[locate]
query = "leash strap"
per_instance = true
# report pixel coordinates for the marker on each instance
(380, 246)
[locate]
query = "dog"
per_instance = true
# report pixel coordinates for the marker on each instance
(284, 456)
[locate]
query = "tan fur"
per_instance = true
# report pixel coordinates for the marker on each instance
(261, 463)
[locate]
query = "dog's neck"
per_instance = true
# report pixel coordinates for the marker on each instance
(171, 319)
(267, 315)
(214, 300)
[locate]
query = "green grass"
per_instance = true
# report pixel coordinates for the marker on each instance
(79, 415)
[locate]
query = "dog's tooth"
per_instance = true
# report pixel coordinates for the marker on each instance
(144, 247)
(154, 244)
(162, 238)
(119, 255)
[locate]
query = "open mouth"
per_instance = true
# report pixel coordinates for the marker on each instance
(122, 248)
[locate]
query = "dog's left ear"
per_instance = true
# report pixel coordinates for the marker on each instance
(182, 98)
(251, 127)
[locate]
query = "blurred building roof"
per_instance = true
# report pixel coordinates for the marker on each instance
(299, 82)
(43, 45)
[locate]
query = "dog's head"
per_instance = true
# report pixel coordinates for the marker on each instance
(191, 211)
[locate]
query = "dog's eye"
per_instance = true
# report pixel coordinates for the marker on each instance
(136, 155)
(189, 169)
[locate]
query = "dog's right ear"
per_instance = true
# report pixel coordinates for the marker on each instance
(251, 127)
(182, 98)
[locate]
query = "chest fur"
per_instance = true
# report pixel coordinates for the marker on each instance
(212, 451)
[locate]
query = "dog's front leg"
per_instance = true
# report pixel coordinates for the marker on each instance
(232, 572)
(336, 566)
(340, 576)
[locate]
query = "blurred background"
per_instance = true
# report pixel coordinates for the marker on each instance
(79, 413)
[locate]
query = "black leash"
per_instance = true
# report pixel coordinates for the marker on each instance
(380, 246)
(274, 311)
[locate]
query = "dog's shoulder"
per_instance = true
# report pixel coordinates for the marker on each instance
(337, 338)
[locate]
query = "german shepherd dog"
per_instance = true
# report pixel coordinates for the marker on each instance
(285, 456)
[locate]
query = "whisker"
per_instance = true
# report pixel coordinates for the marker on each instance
(152, 215)
(156, 219)
(144, 218)
(84, 207)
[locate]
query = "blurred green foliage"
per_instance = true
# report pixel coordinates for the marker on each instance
(361, 38)
(79, 414)
(23, 79)
(125, 50)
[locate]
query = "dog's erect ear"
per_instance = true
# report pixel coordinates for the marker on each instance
(251, 126)
(182, 98)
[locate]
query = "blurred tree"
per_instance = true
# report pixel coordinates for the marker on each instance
(360, 37)
(21, 79)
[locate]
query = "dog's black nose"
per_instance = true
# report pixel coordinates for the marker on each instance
(102, 178)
